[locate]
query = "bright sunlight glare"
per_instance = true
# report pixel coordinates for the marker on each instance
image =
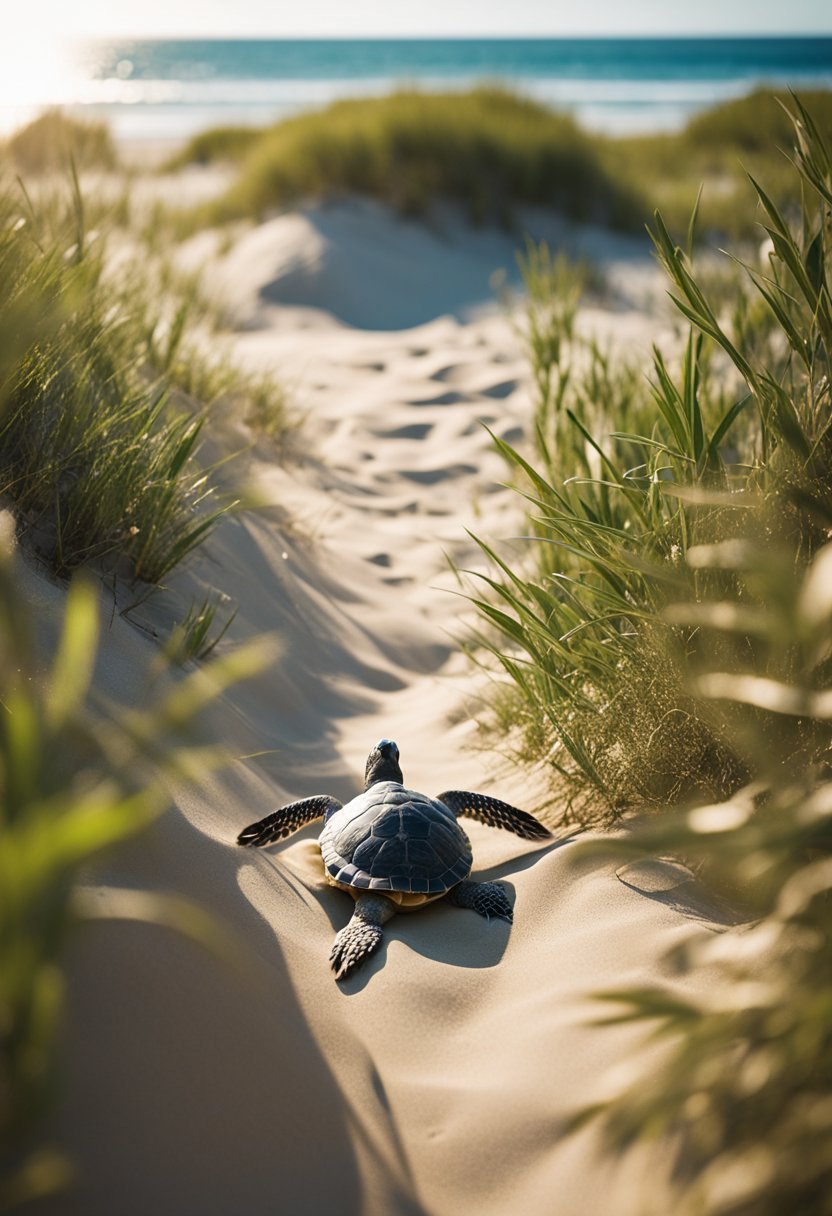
(35, 72)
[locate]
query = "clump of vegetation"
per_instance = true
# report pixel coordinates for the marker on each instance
(222, 387)
(52, 141)
(596, 673)
(755, 123)
(628, 481)
(267, 408)
(230, 144)
(689, 545)
(92, 457)
(718, 149)
(104, 411)
(488, 149)
(199, 633)
(740, 1101)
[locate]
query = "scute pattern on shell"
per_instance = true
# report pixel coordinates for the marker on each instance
(393, 839)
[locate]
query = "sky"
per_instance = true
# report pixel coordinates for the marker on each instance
(367, 18)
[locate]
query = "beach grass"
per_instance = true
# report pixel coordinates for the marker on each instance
(715, 152)
(94, 458)
(757, 122)
(216, 144)
(488, 149)
(106, 408)
(670, 643)
(493, 151)
(54, 139)
(200, 631)
(633, 484)
(739, 1105)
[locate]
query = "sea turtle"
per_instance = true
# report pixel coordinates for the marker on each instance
(395, 850)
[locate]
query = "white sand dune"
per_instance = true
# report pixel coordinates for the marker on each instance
(438, 1078)
(373, 270)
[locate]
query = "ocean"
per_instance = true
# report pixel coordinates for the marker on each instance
(170, 89)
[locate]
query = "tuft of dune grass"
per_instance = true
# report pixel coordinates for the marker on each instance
(756, 122)
(647, 499)
(107, 390)
(54, 139)
(229, 144)
(715, 152)
(488, 149)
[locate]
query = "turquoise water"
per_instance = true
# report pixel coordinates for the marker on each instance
(151, 89)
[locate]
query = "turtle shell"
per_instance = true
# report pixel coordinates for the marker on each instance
(397, 842)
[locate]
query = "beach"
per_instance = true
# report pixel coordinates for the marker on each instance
(450, 389)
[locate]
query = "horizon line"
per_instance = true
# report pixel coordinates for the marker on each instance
(677, 36)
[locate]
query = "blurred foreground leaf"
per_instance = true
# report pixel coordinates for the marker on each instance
(73, 783)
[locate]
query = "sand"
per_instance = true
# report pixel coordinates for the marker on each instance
(439, 1077)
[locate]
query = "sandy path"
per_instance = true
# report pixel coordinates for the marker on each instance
(437, 1079)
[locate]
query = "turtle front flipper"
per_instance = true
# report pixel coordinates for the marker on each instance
(362, 936)
(287, 819)
(494, 813)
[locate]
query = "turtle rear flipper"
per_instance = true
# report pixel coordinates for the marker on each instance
(287, 819)
(362, 936)
(494, 813)
(485, 898)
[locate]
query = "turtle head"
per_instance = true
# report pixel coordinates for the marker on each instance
(382, 763)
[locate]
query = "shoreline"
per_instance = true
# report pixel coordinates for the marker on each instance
(148, 87)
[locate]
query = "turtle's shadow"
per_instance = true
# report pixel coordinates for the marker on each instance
(525, 861)
(457, 937)
(454, 936)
